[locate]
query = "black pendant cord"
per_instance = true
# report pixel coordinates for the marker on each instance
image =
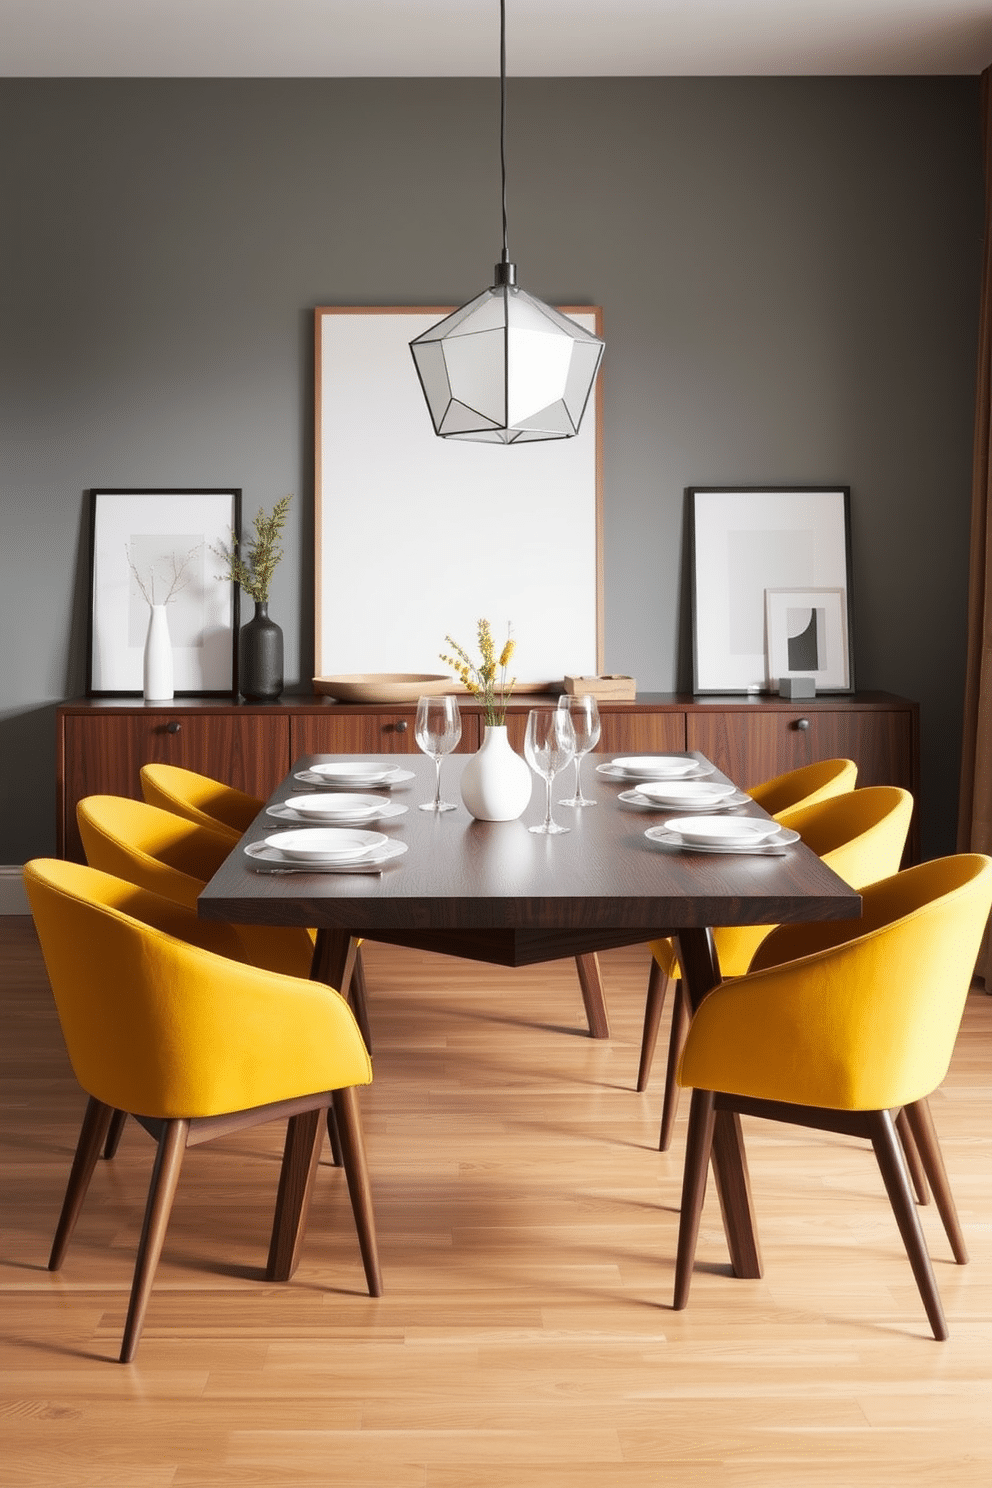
(502, 117)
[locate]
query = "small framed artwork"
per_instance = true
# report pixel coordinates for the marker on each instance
(807, 637)
(159, 547)
(750, 543)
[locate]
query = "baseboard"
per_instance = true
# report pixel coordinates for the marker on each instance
(13, 900)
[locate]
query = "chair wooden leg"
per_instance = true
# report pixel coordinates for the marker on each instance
(333, 1137)
(914, 1164)
(96, 1120)
(697, 1157)
(654, 1006)
(110, 1146)
(161, 1192)
(676, 1042)
(304, 1136)
(347, 1113)
(358, 995)
(920, 1121)
(893, 1166)
(591, 983)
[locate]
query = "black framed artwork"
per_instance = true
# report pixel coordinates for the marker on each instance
(771, 587)
(158, 547)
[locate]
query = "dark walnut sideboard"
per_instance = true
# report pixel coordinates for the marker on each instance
(103, 742)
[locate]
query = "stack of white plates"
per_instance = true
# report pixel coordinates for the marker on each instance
(723, 834)
(684, 795)
(325, 849)
(355, 774)
(654, 767)
(338, 807)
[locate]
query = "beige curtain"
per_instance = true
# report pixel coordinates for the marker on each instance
(975, 814)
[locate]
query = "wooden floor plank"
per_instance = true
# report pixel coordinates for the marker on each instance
(527, 1229)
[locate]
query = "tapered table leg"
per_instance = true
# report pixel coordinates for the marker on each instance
(591, 982)
(700, 974)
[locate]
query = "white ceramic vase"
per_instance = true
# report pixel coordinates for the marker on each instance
(158, 682)
(496, 782)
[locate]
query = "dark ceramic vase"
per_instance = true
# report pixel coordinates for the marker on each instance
(260, 657)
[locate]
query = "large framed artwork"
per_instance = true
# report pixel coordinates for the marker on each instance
(157, 546)
(417, 537)
(771, 587)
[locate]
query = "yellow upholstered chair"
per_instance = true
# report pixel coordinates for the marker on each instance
(860, 834)
(174, 857)
(191, 1042)
(805, 786)
(209, 803)
(848, 1023)
(801, 787)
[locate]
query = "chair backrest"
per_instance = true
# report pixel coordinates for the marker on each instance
(867, 1020)
(861, 835)
(161, 1028)
(816, 782)
(148, 846)
(209, 803)
(174, 858)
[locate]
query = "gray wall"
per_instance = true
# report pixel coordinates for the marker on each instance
(789, 271)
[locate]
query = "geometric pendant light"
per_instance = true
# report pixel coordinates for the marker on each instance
(506, 368)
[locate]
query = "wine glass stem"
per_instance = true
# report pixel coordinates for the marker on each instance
(578, 788)
(437, 780)
(547, 813)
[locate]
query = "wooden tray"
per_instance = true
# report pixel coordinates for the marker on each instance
(385, 687)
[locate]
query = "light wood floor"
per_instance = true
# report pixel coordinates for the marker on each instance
(527, 1229)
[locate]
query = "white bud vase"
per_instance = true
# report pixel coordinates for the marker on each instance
(496, 783)
(158, 683)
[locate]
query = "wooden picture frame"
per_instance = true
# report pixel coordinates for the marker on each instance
(140, 536)
(745, 541)
(417, 538)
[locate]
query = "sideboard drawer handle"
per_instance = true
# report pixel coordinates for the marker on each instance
(401, 725)
(801, 723)
(173, 727)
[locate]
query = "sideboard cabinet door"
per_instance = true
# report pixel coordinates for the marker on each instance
(102, 754)
(366, 731)
(753, 746)
(623, 729)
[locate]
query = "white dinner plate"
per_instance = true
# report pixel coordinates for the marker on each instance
(691, 792)
(718, 831)
(268, 860)
(393, 776)
(342, 815)
(353, 772)
(655, 767)
(767, 846)
(325, 844)
(639, 799)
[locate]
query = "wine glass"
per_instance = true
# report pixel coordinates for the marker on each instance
(437, 729)
(584, 713)
(549, 744)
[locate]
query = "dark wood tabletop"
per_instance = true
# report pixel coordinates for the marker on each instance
(602, 883)
(493, 891)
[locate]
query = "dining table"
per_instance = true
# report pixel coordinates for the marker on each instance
(497, 892)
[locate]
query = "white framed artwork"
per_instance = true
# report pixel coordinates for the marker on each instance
(418, 538)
